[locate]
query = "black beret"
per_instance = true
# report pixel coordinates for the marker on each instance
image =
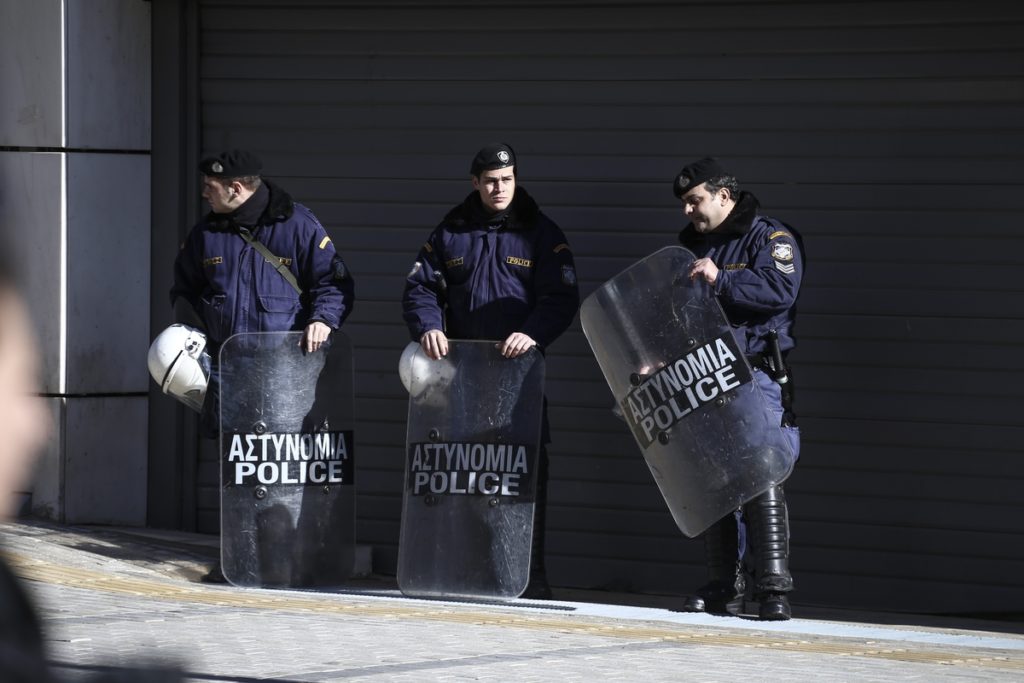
(494, 155)
(697, 173)
(234, 164)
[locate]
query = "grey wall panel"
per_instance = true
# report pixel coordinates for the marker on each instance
(105, 468)
(889, 133)
(108, 293)
(32, 74)
(109, 70)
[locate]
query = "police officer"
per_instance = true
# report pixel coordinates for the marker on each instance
(243, 265)
(496, 268)
(754, 264)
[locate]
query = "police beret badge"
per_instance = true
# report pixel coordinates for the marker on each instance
(493, 156)
(236, 163)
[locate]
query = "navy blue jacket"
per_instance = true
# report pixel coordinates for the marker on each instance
(234, 289)
(483, 278)
(760, 263)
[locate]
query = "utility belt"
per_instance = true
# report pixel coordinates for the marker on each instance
(772, 362)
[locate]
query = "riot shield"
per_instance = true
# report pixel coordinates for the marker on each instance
(472, 449)
(287, 461)
(685, 388)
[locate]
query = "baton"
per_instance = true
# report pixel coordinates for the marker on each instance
(780, 375)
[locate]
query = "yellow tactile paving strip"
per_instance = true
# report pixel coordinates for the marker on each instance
(38, 570)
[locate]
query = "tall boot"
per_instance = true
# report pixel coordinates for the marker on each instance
(769, 530)
(538, 588)
(724, 591)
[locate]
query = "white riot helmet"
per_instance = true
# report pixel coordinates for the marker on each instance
(429, 378)
(179, 363)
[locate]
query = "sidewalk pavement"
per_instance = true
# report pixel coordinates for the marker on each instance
(115, 597)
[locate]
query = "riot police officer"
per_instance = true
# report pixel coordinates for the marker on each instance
(496, 268)
(258, 262)
(754, 264)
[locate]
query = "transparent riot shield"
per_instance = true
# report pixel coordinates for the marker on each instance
(472, 450)
(685, 388)
(287, 461)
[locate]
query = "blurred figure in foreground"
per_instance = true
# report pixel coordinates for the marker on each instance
(23, 430)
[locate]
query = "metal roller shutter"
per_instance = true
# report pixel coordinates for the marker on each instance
(890, 133)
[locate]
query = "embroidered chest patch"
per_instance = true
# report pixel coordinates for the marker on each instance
(215, 261)
(516, 261)
(452, 262)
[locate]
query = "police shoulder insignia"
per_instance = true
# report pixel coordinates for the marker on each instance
(325, 241)
(568, 275)
(782, 251)
(787, 268)
(561, 247)
(778, 233)
(427, 247)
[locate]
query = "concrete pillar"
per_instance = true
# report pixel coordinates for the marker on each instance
(75, 185)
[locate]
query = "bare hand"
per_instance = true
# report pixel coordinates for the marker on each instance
(516, 345)
(704, 268)
(434, 344)
(314, 336)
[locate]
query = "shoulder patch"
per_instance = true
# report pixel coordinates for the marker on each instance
(778, 233)
(782, 251)
(325, 241)
(561, 247)
(426, 246)
(787, 268)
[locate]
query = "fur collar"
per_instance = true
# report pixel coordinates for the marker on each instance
(280, 207)
(738, 222)
(523, 212)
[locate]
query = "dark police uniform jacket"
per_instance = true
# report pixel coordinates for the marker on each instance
(760, 265)
(235, 290)
(481, 277)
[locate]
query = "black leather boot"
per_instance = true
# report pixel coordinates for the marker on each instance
(769, 534)
(774, 607)
(723, 593)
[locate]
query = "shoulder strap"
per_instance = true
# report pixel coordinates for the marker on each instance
(273, 260)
